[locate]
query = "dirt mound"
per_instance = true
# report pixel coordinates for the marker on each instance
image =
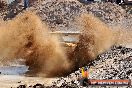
(61, 14)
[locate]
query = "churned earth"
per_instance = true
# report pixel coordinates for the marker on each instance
(116, 63)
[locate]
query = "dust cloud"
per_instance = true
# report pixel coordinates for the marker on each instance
(96, 37)
(27, 37)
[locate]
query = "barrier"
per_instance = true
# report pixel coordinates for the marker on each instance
(67, 36)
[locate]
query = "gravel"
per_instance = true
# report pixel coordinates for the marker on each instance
(62, 15)
(116, 63)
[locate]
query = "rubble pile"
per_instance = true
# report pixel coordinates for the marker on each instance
(62, 15)
(113, 64)
(116, 63)
(3, 7)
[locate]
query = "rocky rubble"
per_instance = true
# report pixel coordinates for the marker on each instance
(113, 64)
(62, 15)
(3, 7)
(116, 63)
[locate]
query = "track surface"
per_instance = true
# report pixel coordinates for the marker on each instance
(13, 76)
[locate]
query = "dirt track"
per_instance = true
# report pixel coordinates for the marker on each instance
(8, 81)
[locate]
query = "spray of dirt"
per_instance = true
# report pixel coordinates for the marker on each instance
(124, 38)
(26, 37)
(96, 37)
